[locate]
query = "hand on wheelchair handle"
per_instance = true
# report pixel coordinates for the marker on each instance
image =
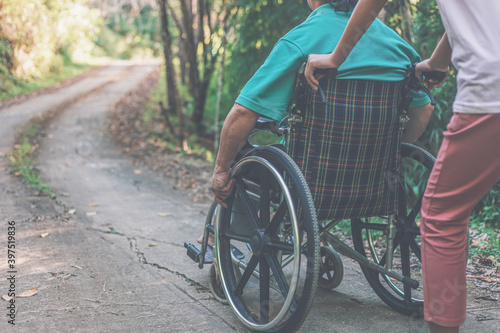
(434, 77)
(222, 186)
(316, 64)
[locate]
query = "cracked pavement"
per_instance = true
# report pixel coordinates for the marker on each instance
(116, 265)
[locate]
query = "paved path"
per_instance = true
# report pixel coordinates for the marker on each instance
(116, 265)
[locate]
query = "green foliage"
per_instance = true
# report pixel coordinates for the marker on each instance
(38, 39)
(130, 34)
(39, 31)
(21, 162)
(14, 86)
(158, 130)
(258, 26)
(488, 210)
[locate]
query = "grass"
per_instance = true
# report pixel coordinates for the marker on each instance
(13, 86)
(485, 241)
(21, 160)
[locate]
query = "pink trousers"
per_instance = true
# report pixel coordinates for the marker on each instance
(467, 167)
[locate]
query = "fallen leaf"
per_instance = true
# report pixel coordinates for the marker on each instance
(28, 293)
(44, 234)
(356, 300)
(91, 213)
(163, 214)
(482, 278)
(93, 205)
(487, 298)
(151, 245)
(6, 298)
(92, 300)
(18, 173)
(137, 172)
(66, 194)
(71, 211)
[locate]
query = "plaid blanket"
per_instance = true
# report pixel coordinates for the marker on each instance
(347, 146)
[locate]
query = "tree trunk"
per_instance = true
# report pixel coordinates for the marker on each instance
(182, 60)
(199, 103)
(406, 20)
(174, 103)
(219, 95)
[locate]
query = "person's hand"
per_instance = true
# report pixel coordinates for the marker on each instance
(315, 61)
(222, 186)
(427, 66)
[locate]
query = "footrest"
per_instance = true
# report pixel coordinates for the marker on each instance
(192, 251)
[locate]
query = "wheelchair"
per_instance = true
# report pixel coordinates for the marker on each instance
(277, 241)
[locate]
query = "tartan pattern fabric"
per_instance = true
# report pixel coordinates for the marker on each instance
(347, 148)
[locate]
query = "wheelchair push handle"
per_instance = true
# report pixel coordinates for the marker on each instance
(414, 83)
(434, 75)
(328, 72)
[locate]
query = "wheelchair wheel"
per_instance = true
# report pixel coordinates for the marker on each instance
(371, 236)
(215, 285)
(331, 271)
(272, 210)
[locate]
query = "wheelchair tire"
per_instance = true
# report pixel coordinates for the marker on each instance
(331, 271)
(279, 272)
(215, 285)
(370, 236)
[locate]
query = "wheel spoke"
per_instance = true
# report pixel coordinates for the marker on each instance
(278, 275)
(246, 275)
(415, 247)
(287, 247)
(264, 289)
(415, 210)
(277, 218)
(265, 180)
(251, 213)
(326, 268)
(233, 236)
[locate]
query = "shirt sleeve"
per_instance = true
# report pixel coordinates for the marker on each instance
(269, 91)
(419, 98)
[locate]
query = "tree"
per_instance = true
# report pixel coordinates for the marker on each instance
(201, 25)
(174, 104)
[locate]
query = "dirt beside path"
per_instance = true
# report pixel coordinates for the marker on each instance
(113, 259)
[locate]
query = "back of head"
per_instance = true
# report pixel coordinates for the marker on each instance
(343, 5)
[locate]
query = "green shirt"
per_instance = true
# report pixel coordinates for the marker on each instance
(380, 55)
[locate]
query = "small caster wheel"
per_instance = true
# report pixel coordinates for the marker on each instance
(215, 285)
(331, 271)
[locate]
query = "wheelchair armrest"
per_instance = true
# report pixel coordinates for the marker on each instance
(267, 124)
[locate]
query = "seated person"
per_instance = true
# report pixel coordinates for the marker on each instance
(381, 55)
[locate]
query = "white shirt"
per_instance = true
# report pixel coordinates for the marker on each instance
(473, 28)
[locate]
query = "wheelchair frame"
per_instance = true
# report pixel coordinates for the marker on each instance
(294, 309)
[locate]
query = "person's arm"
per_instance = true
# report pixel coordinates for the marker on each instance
(439, 61)
(362, 17)
(419, 118)
(237, 127)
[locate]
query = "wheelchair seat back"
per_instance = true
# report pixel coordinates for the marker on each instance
(345, 139)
